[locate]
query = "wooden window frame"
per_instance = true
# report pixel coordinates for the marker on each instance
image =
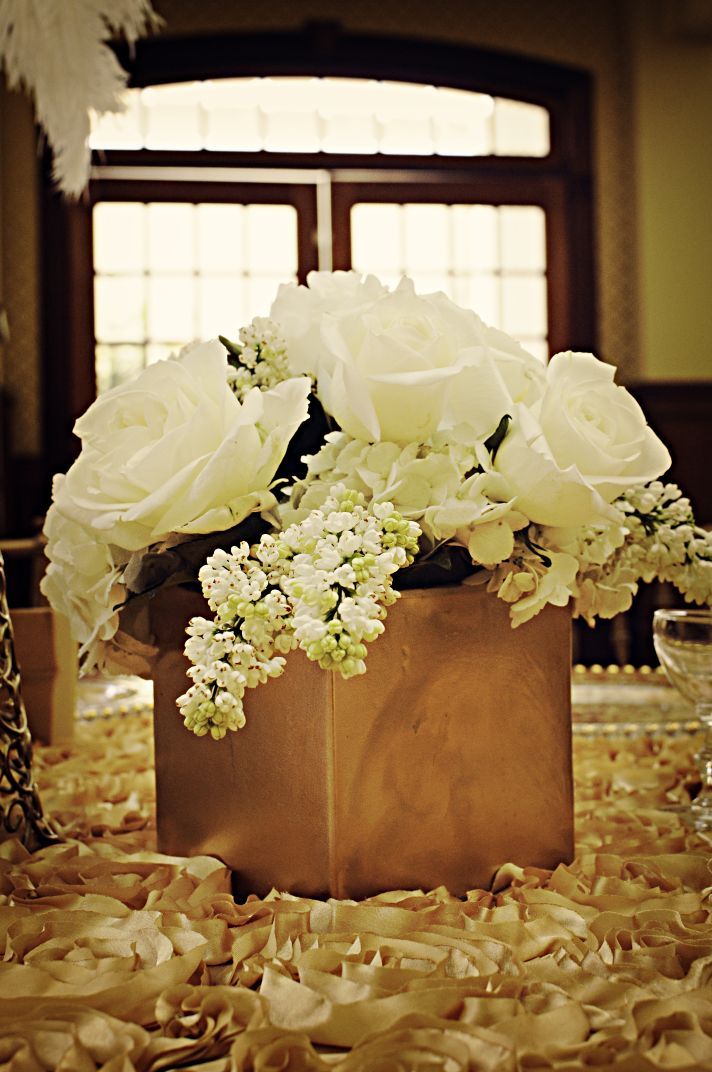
(561, 182)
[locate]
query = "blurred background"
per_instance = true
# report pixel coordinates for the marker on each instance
(548, 164)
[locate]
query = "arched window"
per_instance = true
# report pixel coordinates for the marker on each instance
(243, 163)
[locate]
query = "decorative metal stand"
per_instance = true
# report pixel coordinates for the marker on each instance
(21, 813)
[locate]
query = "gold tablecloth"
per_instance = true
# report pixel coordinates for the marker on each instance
(118, 958)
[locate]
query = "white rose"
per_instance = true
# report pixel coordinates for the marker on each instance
(174, 451)
(409, 365)
(299, 310)
(593, 424)
(82, 580)
(545, 491)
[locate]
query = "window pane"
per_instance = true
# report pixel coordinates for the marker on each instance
(221, 237)
(119, 309)
(170, 237)
(462, 123)
(523, 237)
(116, 364)
(118, 237)
(426, 238)
(171, 308)
(377, 238)
(291, 132)
(538, 347)
(220, 305)
(524, 306)
(432, 282)
(481, 293)
(236, 129)
(520, 129)
(407, 135)
(475, 238)
(173, 116)
(349, 134)
(159, 351)
(271, 232)
(260, 292)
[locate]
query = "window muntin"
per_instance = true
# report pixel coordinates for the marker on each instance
(327, 115)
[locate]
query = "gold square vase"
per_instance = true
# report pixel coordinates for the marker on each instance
(450, 757)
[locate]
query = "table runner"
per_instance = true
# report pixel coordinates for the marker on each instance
(119, 958)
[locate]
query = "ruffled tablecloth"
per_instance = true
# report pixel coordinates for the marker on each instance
(118, 958)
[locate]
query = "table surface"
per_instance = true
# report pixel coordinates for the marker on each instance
(119, 958)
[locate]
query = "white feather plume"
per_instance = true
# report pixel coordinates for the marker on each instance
(57, 50)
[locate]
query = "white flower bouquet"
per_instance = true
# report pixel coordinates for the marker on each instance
(359, 441)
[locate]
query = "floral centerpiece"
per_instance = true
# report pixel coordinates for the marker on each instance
(359, 441)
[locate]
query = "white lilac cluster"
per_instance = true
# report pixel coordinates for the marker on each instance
(322, 585)
(657, 538)
(260, 359)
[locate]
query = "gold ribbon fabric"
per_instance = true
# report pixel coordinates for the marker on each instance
(116, 957)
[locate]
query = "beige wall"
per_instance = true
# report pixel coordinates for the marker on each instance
(653, 159)
(673, 85)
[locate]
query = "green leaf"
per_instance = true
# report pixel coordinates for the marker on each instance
(536, 548)
(181, 563)
(234, 351)
(447, 564)
(494, 442)
(308, 439)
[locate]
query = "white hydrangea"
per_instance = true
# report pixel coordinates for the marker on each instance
(480, 517)
(323, 584)
(449, 488)
(532, 578)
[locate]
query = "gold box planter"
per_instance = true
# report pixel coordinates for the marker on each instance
(450, 757)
